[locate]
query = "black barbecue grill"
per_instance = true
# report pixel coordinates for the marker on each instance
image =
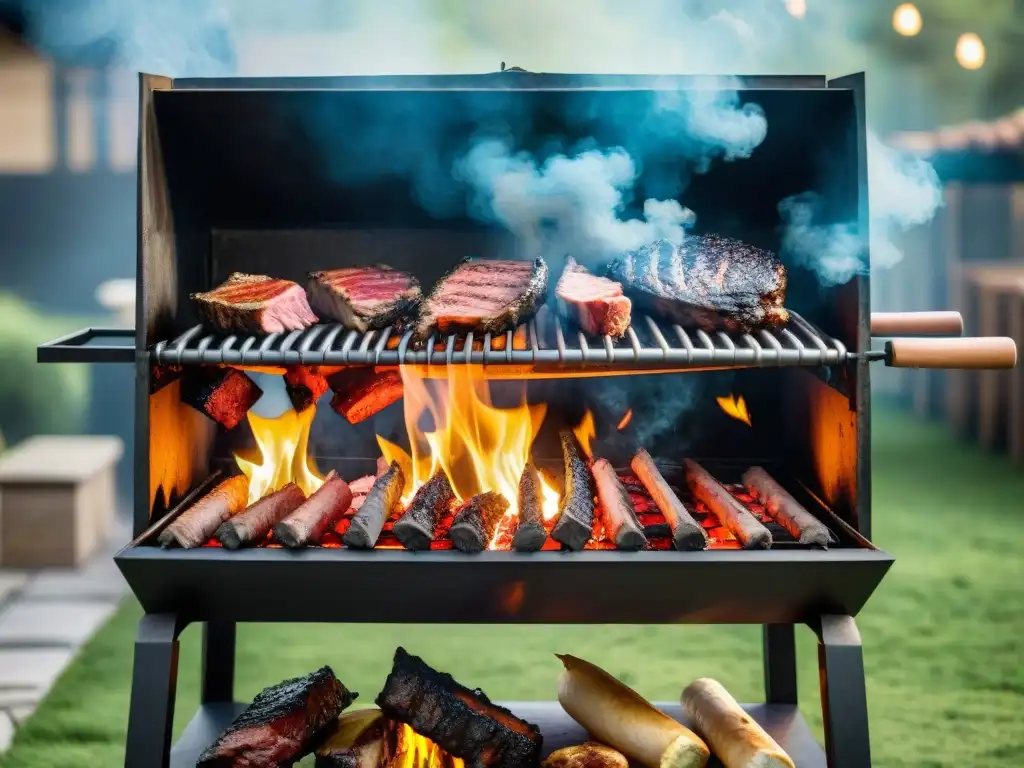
(236, 175)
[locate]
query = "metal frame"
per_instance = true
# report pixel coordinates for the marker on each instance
(840, 666)
(75, 347)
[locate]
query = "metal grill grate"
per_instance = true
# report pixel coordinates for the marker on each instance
(543, 342)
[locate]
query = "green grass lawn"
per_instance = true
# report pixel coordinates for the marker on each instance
(942, 636)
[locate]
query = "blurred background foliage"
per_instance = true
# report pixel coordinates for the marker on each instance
(38, 399)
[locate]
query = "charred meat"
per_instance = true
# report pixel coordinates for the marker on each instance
(315, 516)
(485, 295)
(255, 304)
(463, 722)
(253, 525)
(305, 385)
(282, 723)
(708, 281)
(359, 393)
(363, 298)
(595, 304)
(223, 394)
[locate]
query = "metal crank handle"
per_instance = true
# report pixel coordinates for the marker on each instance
(917, 324)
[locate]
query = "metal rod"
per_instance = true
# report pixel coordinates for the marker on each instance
(154, 683)
(844, 704)
(779, 646)
(218, 662)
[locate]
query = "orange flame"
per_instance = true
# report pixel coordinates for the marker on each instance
(415, 751)
(283, 443)
(625, 420)
(585, 432)
(736, 407)
(479, 446)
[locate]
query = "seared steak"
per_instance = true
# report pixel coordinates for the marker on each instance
(594, 303)
(359, 393)
(709, 282)
(223, 394)
(281, 724)
(255, 304)
(363, 298)
(486, 295)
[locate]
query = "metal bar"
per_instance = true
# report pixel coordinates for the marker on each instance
(154, 680)
(844, 703)
(779, 650)
(72, 347)
(218, 662)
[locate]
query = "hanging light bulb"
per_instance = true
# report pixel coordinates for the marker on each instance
(970, 51)
(906, 20)
(796, 8)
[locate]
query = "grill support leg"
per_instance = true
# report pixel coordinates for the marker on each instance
(779, 652)
(154, 680)
(218, 662)
(844, 704)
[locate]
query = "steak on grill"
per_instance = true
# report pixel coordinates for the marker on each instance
(282, 723)
(255, 304)
(363, 298)
(709, 281)
(594, 303)
(486, 295)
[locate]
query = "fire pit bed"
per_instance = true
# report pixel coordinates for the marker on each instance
(279, 206)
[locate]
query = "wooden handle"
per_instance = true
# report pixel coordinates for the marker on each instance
(917, 324)
(985, 352)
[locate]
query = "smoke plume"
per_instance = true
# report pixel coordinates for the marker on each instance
(903, 192)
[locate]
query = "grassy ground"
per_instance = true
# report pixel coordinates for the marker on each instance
(942, 636)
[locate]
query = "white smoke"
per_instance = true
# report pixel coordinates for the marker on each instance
(585, 191)
(903, 192)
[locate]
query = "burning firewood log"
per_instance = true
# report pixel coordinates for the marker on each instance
(359, 393)
(730, 513)
(787, 511)
(417, 527)
(223, 394)
(358, 741)
(476, 521)
(529, 534)
(305, 385)
(576, 507)
(253, 525)
(463, 722)
(196, 525)
(620, 521)
(380, 502)
(315, 516)
(687, 533)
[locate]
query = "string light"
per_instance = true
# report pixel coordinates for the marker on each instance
(906, 20)
(796, 8)
(970, 51)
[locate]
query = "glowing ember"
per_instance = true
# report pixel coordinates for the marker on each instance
(585, 432)
(479, 446)
(625, 420)
(736, 407)
(415, 751)
(283, 444)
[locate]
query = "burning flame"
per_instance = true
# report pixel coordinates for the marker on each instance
(283, 444)
(736, 407)
(625, 420)
(479, 446)
(417, 751)
(585, 432)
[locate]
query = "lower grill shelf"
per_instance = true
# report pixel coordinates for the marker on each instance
(783, 722)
